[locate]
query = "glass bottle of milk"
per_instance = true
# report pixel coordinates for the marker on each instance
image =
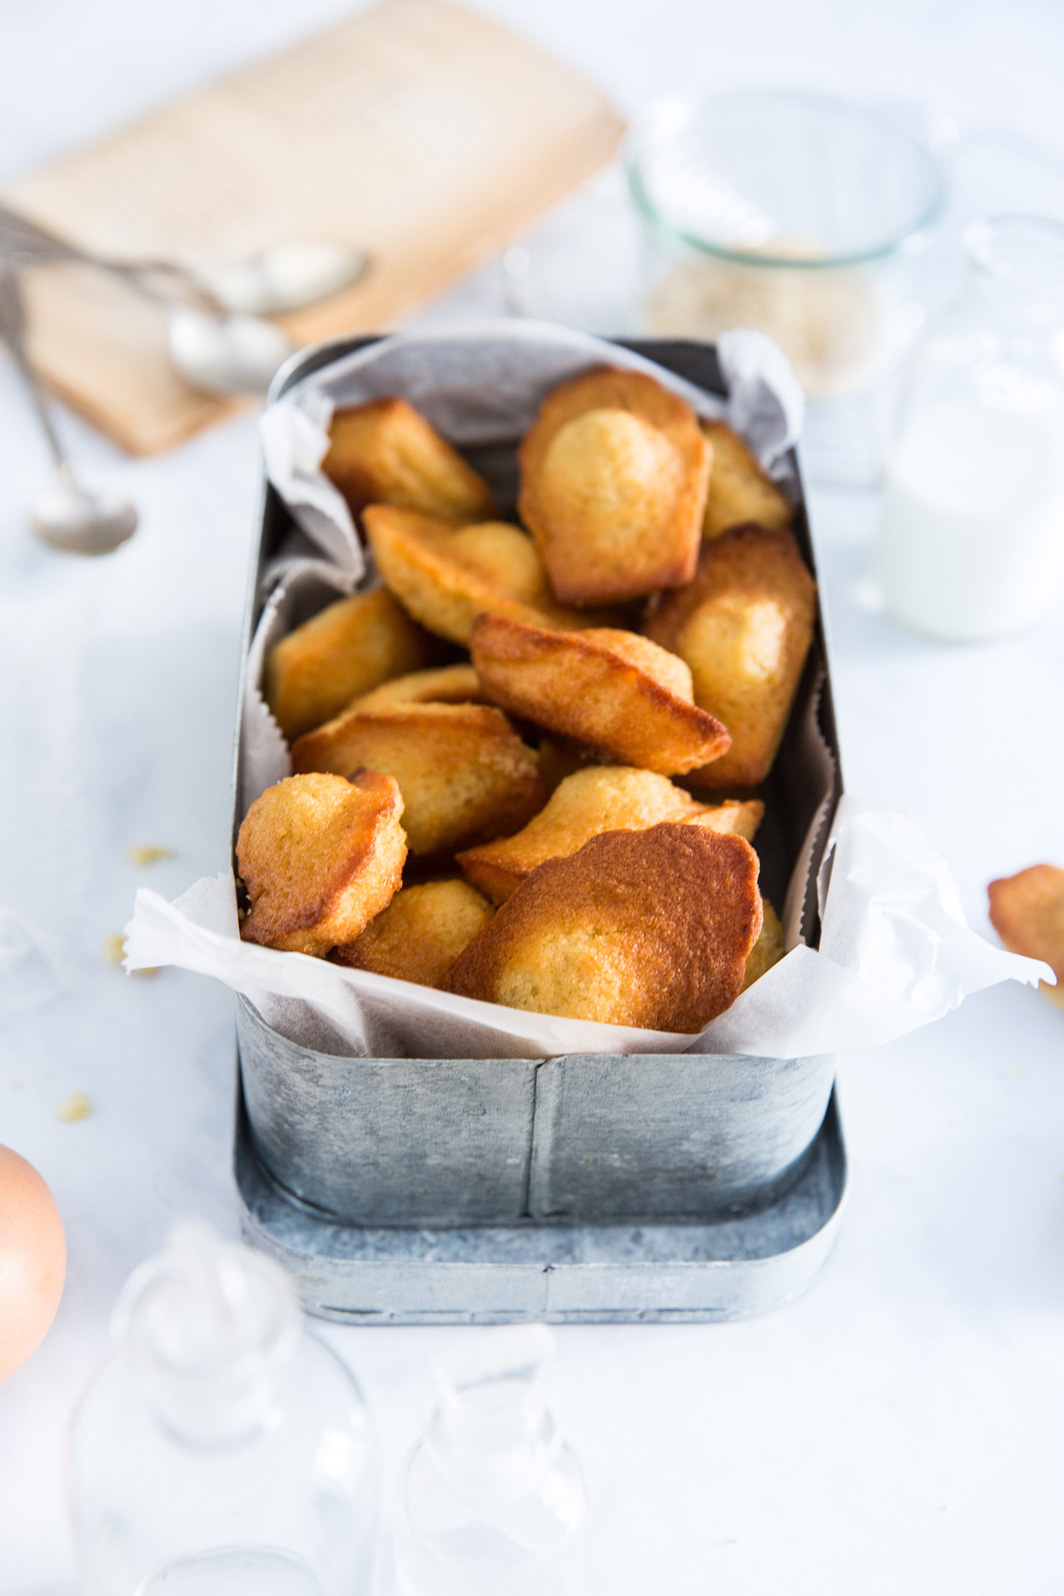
(972, 544)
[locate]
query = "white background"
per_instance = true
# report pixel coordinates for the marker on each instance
(900, 1428)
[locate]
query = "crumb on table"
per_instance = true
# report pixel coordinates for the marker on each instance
(148, 853)
(74, 1107)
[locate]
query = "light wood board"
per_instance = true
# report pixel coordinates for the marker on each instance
(418, 131)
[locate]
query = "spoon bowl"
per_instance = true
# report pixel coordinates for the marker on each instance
(80, 520)
(282, 278)
(226, 354)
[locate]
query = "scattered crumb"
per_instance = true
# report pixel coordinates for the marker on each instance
(142, 854)
(76, 1106)
(16, 1086)
(114, 948)
(1012, 1072)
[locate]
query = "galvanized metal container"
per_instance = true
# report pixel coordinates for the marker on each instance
(691, 1272)
(423, 1141)
(602, 1141)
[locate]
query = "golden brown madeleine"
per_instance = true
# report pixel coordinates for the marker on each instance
(446, 576)
(420, 934)
(744, 626)
(599, 798)
(739, 490)
(644, 928)
(448, 684)
(614, 475)
(319, 857)
(608, 688)
(464, 773)
(767, 950)
(344, 650)
(1027, 912)
(387, 453)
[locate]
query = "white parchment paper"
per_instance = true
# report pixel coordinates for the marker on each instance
(895, 951)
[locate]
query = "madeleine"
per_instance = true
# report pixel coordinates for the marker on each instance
(610, 689)
(1027, 912)
(319, 857)
(420, 934)
(447, 576)
(597, 799)
(739, 490)
(614, 475)
(744, 626)
(346, 649)
(386, 452)
(650, 929)
(464, 773)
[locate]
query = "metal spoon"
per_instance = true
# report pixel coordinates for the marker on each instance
(237, 351)
(67, 515)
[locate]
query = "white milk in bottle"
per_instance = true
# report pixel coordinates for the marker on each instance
(973, 524)
(972, 544)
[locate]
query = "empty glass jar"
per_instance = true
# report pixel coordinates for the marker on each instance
(491, 1500)
(221, 1451)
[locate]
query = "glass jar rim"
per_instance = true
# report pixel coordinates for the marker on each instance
(1018, 250)
(925, 215)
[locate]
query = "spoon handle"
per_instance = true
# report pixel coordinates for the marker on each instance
(30, 244)
(13, 334)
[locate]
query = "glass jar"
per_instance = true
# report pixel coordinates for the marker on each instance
(491, 1500)
(972, 543)
(792, 213)
(221, 1450)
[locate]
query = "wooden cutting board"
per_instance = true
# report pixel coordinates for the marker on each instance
(418, 131)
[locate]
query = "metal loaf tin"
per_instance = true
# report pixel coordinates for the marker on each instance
(521, 1146)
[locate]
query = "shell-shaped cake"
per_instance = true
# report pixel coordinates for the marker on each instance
(739, 490)
(449, 684)
(447, 576)
(421, 932)
(386, 452)
(605, 687)
(744, 626)
(614, 476)
(641, 928)
(343, 651)
(319, 857)
(596, 799)
(464, 773)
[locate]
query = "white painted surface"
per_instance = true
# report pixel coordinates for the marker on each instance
(899, 1428)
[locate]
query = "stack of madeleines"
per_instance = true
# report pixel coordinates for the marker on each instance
(526, 764)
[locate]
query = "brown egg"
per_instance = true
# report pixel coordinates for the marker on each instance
(32, 1260)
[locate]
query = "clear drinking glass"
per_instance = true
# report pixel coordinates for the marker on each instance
(796, 214)
(221, 1450)
(972, 544)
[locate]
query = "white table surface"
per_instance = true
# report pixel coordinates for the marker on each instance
(901, 1427)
